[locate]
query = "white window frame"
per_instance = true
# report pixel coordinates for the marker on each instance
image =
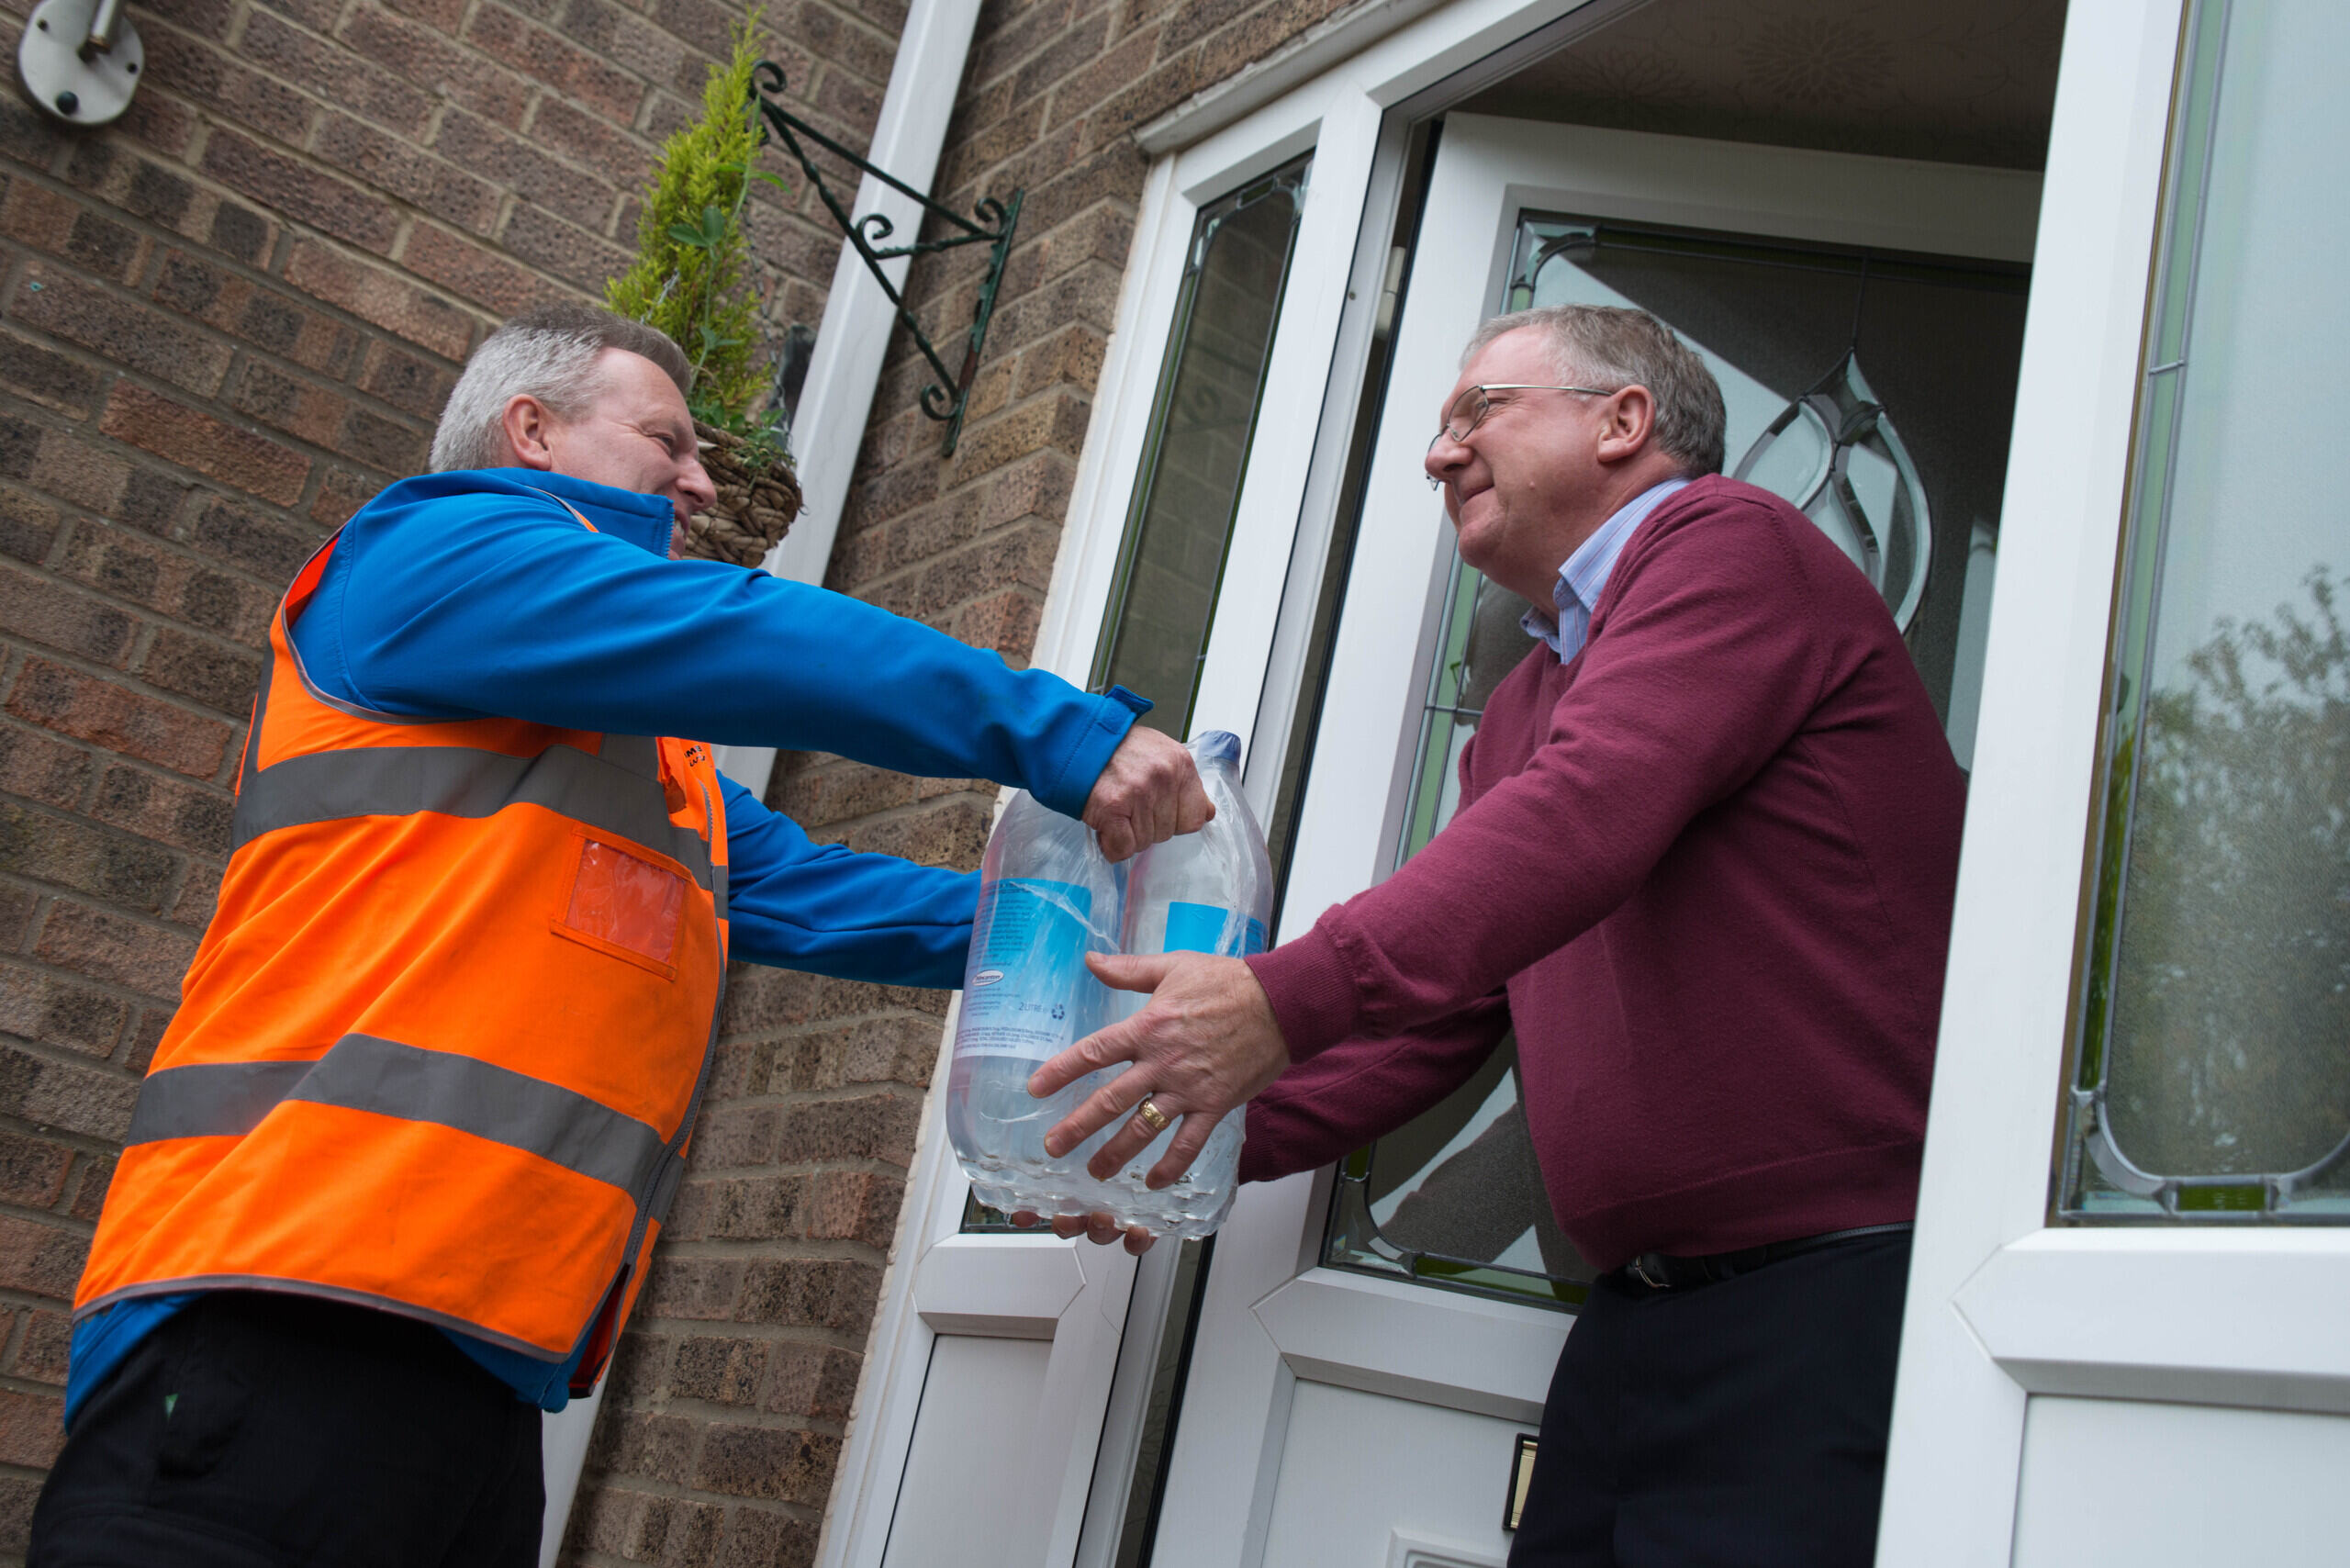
(2002, 1305)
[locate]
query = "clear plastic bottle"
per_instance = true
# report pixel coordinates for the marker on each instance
(1209, 891)
(1046, 898)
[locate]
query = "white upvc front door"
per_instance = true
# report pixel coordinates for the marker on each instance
(1332, 1417)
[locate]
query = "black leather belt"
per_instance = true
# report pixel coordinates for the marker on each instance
(1663, 1271)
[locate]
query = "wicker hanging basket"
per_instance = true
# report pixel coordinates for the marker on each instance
(754, 508)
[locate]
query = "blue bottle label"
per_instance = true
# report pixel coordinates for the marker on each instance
(1024, 992)
(1199, 928)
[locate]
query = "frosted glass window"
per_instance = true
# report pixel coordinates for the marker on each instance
(2211, 1075)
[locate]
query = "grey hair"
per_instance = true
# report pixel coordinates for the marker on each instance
(548, 352)
(1607, 345)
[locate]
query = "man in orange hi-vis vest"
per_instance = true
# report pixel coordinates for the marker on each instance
(397, 1172)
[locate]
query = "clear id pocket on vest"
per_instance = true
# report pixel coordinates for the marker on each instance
(624, 904)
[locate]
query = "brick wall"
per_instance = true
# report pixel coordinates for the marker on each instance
(224, 323)
(229, 320)
(722, 1424)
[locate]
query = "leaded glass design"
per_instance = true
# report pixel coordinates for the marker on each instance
(1179, 529)
(2210, 1075)
(1901, 463)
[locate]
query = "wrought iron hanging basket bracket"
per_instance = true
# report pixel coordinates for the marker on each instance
(991, 224)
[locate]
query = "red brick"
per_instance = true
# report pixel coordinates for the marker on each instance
(416, 52)
(45, 611)
(32, 1427)
(300, 409)
(513, 164)
(54, 222)
(259, 316)
(573, 254)
(40, 768)
(407, 381)
(121, 328)
(700, 1288)
(207, 18)
(374, 295)
(305, 194)
(265, 543)
(41, 375)
(42, 1258)
(854, 1205)
(335, 73)
(94, 1102)
(220, 676)
(90, 1190)
(341, 494)
(442, 15)
(724, 1372)
(138, 1050)
(812, 1379)
(390, 164)
(163, 123)
(32, 1170)
(74, 469)
(1006, 624)
(198, 895)
(206, 74)
(578, 75)
(130, 722)
(188, 816)
(50, 1009)
(147, 959)
(620, 158)
(69, 853)
(41, 1355)
(767, 1461)
(195, 440)
(28, 525)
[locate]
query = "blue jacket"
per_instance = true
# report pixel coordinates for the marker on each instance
(473, 593)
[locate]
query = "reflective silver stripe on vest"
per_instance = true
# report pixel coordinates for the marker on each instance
(363, 1073)
(462, 781)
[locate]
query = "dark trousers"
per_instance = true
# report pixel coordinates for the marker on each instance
(1741, 1423)
(264, 1432)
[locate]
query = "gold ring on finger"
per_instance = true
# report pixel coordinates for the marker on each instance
(1153, 1117)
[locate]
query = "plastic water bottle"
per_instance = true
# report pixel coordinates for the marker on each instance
(1047, 899)
(1210, 892)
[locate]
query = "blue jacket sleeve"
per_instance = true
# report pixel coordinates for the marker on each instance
(490, 599)
(826, 909)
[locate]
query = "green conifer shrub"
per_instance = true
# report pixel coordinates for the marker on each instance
(689, 274)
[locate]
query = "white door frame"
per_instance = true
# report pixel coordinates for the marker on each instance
(2002, 1305)
(1270, 1315)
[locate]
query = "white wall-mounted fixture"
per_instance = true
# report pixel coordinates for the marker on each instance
(80, 60)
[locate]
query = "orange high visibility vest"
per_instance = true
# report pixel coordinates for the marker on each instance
(440, 1050)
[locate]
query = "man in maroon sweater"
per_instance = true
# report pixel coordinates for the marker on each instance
(1702, 864)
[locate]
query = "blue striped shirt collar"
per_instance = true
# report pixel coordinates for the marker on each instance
(1585, 575)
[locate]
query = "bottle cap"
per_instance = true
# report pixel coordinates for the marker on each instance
(1216, 746)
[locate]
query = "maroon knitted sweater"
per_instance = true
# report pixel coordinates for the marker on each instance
(1709, 861)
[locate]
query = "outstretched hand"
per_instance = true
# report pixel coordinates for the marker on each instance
(1204, 1047)
(1149, 791)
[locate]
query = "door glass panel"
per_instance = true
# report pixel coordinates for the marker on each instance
(1177, 535)
(1155, 634)
(1873, 390)
(2211, 1068)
